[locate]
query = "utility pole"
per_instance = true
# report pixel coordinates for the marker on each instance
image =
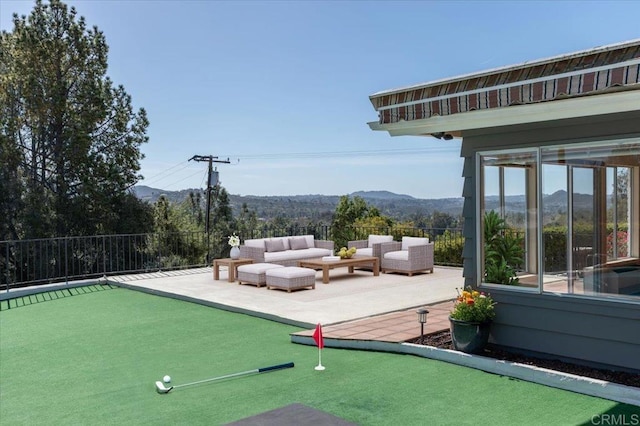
(210, 159)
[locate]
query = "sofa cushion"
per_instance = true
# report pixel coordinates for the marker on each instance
(375, 239)
(291, 255)
(310, 241)
(275, 244)
(413, 241)
(298, 243)
(364, 252)
(397, 255)
(285, 241)
(257, 242)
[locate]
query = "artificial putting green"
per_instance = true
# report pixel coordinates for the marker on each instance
(93, 358)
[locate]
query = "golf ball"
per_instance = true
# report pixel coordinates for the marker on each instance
(167, 379)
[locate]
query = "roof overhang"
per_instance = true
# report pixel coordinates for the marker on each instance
(604, 80)
(455, 124)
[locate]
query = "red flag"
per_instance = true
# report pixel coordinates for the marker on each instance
(317, 336)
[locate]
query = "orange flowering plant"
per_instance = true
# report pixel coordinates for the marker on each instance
(473, 306)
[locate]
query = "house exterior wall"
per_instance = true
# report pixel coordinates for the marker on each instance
(577, 328)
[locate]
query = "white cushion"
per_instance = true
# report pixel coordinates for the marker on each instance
(258, 242)
(375, 239)
(290, 272)
(257, 268)
(364, 252)
(261, 242)
(413, 241)
(285, 241)
(279, 256)
(397, 255)
(310, 241)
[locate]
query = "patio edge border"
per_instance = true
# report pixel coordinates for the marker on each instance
(565, 381)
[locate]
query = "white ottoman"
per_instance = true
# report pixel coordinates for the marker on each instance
(290, 278)
(254, 273)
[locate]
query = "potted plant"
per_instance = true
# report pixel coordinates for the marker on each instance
(470, 320)
(234, 242)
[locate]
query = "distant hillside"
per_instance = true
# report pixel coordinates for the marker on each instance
(318, 207)
(381, 195)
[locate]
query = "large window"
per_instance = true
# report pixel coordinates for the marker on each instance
(509, 253)
(561, 219)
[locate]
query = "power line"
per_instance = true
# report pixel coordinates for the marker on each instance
(331, 154)
(168, 186)
(301, 155)
(165, 173)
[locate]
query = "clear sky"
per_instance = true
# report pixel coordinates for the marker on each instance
(281, 87)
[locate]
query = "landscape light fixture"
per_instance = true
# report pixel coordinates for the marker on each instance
(422, 319)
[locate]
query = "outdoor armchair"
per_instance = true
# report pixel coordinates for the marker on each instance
(370, 246)
(408, 257)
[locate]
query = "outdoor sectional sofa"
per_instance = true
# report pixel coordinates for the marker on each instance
(286, 251)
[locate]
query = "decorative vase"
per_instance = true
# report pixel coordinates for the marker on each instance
(469, 337)
(235, 252)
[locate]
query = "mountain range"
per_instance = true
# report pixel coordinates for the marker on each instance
(316, 206)
(398, 206)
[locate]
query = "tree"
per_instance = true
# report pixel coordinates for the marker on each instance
(76, 136)
(10, 203)
(348, 211)
(222, 222)
(247, 221)
(192, 207)
(442, 221)
(172, 242)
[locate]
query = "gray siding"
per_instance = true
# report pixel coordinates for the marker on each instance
(595, 331)
(589, 331)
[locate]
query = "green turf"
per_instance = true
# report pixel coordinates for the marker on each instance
(93, 359)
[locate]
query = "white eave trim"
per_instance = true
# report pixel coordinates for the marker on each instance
(584, 106)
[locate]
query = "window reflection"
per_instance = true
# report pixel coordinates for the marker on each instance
(589, 217)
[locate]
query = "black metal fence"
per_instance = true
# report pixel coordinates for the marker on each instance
(42, 261)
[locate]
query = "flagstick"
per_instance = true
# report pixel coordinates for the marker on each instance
(319, 367)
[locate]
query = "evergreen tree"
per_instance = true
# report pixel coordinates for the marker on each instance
(222, 223)
(10, 203)
(75, 135)
(247, 222)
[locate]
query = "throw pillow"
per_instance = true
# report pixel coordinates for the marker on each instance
(275, 245)
(298, 243)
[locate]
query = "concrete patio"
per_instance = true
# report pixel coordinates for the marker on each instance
(347, 297)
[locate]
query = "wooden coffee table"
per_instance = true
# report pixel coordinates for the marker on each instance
(232, 264)
(372, 262)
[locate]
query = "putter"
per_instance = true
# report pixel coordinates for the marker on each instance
(162, 389)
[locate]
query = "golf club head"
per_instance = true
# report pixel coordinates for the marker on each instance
(161, 389)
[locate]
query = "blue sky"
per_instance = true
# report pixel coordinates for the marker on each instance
(281, 87)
